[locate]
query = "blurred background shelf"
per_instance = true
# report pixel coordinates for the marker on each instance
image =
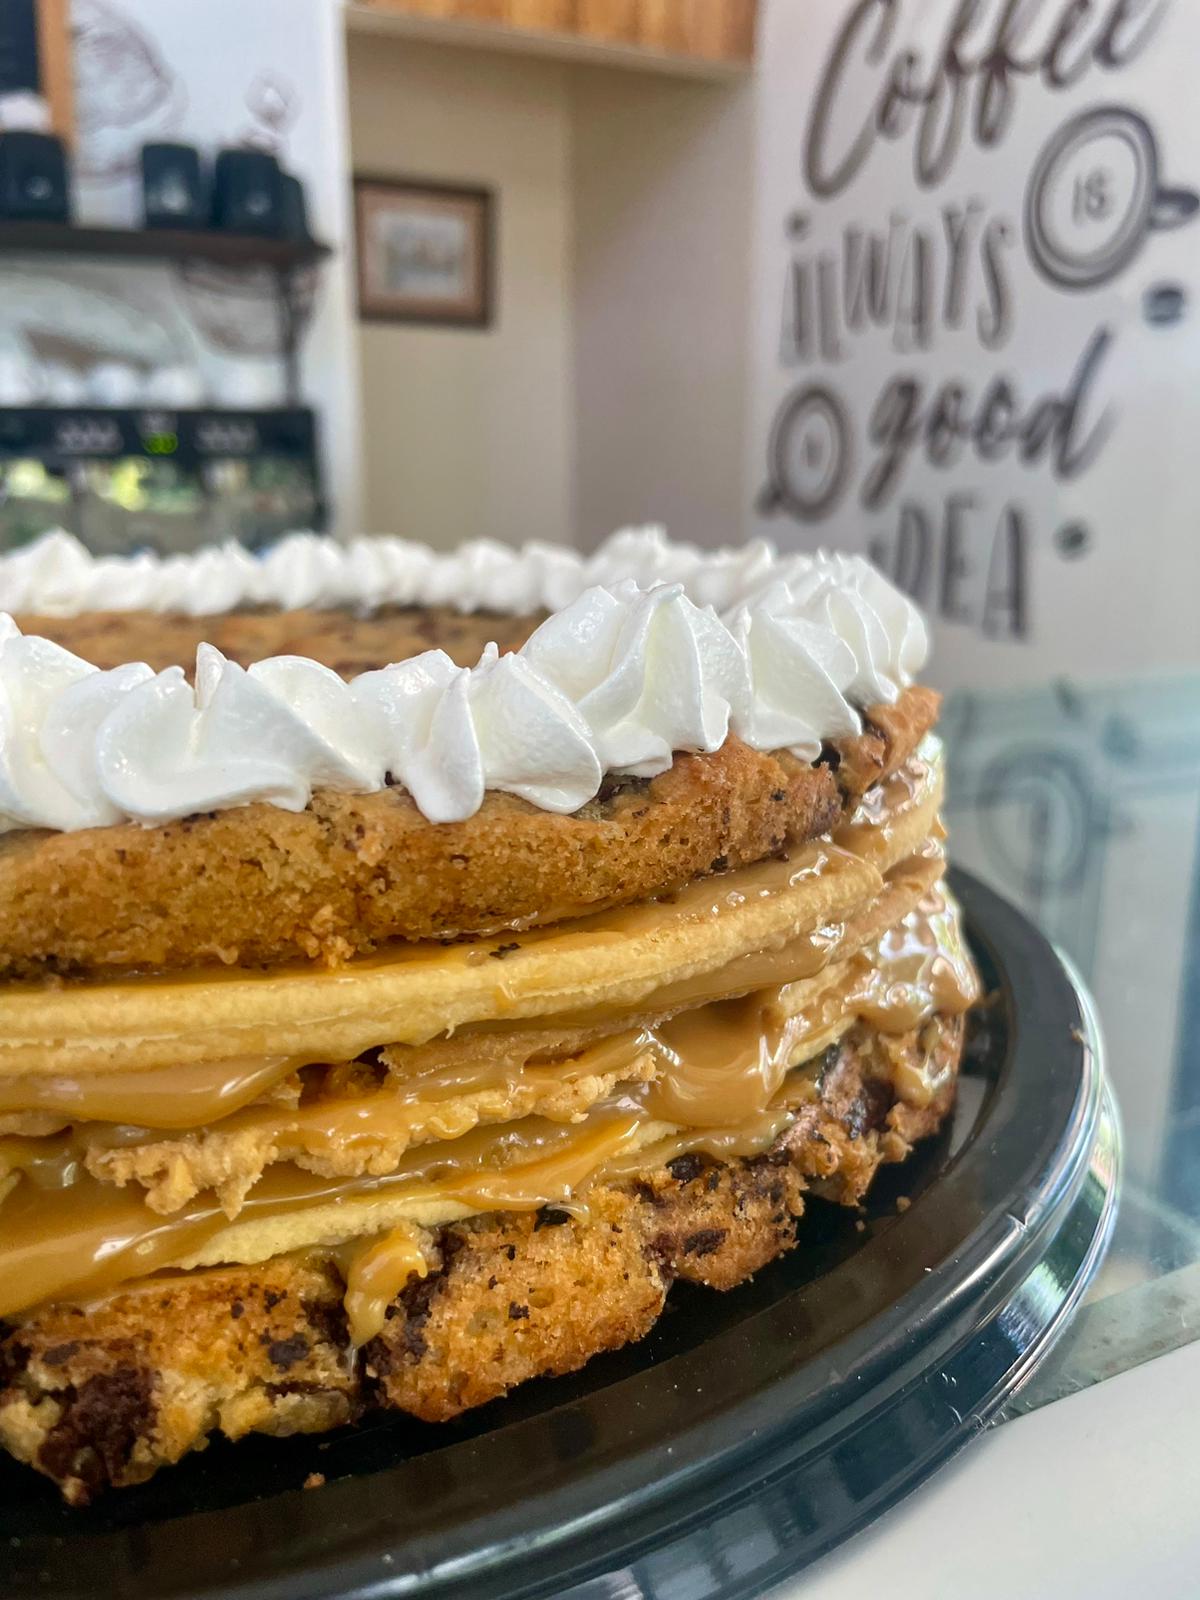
(158, 478)
(190, 433)
(159, 244)
(689, 38)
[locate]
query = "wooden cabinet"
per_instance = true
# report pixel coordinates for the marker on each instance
(711, 29)
(696, 35)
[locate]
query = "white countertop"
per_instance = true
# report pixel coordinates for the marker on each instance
(1093, 1496)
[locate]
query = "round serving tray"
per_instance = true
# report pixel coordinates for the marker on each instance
(749, 1433)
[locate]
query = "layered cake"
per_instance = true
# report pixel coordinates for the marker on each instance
(411, 965)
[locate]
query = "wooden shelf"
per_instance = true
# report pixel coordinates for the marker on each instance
(158, 244)
(684, 38)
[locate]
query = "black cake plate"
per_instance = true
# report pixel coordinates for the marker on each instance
(749, 1433)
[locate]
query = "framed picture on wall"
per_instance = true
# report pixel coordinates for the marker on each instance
(424, 252)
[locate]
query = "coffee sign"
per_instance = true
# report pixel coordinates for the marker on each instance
(975, 320)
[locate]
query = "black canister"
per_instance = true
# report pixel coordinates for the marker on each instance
(174, 190)
(248, 193)
(33, 177)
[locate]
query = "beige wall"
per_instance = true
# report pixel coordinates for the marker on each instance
(662, 188)
(470, 433)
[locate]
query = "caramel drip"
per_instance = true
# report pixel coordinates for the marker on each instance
(725, 1062)
(723, 1069)
(749, 1138)
(357, 1133)
(83, 1240)
(52, 1163)
(869, 830)
(804, 955)
(375, 1271)
(185, 1098)
(86, 1239)
(714, 1064)
(918, 967)
(176, 1097)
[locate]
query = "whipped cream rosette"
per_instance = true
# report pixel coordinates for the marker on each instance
(626, 672)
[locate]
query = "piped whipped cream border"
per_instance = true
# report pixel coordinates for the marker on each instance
(650, 648)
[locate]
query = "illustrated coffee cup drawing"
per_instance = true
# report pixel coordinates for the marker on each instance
(1094, 196)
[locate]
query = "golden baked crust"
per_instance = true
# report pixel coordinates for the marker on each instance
(890, 734)
(259, 885)
(343, 640)
(108, 1395)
